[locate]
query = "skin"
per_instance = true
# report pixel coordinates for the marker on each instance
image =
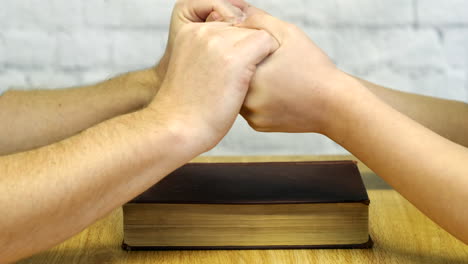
(445, 117)
(78, 178)
(59, 114)
(299, 89)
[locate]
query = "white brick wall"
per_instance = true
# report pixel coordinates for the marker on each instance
(413, 45)
(39, 14)
(29, 48)
(84, 49)
(369, 13)
(447, 12)
(125, 13)
(456, 47)
(138, 49)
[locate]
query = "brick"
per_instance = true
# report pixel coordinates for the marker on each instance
(138, 49)
(12, 80)
(124, 13)
(360, 12)
(51, 79)
(41, 14)
(84, 49)
(292, 11)
(29, 48)
(2, 51)
(404, 48)
(435, 12)
(353, 48)
(324, 38)
(457, 85)
(456, 47)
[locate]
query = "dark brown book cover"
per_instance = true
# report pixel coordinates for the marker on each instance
(260, 183)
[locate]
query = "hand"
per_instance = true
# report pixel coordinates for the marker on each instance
(190, 11)
(293, 88)
(207, 79)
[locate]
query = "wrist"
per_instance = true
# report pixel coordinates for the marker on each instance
(347, 97)
(187, 141)
(161, 68)
(147, 83)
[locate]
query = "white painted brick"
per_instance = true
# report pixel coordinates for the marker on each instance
(138, 49)
(125, 13)
(41, 14)
(456, 47)
(292, 11)
(359, 12)
(434, 12)
(405, 48)
(323, 38)
(12, 80)
(2, 51)
(457, 85)
(3, 15)
(84, 49)
(29, 48)
(51, 79)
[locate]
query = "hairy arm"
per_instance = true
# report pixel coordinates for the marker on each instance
(53, 192)
(59, 114)
(445, 117)
(82, 178)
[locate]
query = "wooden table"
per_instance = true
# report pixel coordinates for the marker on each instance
(400, 232)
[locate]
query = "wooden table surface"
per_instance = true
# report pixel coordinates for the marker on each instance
(400, 232)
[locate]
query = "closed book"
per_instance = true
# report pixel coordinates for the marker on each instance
(251, 205)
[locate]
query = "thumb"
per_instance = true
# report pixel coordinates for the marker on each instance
(259, 19)
(214, 16)
(203, 8)
(256, 47)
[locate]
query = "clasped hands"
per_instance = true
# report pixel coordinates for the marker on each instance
(227, 57)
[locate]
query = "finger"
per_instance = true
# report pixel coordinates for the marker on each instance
(214, 16)
(239, 3)
(203, 8)
(252, 10)
(259, 19)
(256, 46)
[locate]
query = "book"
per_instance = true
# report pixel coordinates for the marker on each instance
(251, 206)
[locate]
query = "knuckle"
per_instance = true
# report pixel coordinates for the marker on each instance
(291, 28)
(198, 32)
(228, 58)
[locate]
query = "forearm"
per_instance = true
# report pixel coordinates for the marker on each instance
(445, 117)
(430, 171)
(83, 178)
(32, 119)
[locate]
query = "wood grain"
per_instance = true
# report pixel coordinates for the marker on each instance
(400, 232)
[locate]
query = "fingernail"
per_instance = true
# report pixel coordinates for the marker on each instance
(241, 18)
(216, 17)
